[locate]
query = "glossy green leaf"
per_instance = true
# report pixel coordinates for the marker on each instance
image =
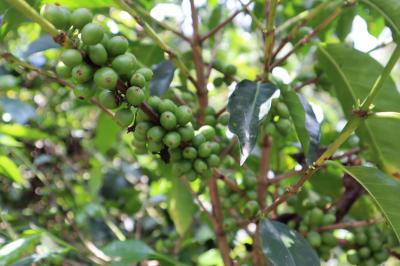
(82, 3)
(23, 132)
(352, 84)
(180, 205)
(305, 123)
(9, 141)
(10, 170)
(249, 103)
(284, 246)
(128, 252)
(163, 75)
(389, 10)
(13, 251)
(384, 189)
(107, 132)
(147, 53)
(345, 22)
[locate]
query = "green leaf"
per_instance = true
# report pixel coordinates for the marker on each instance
(180, 205)
(9, 141)
(23, 132)
(352, 84)
(82, 3)
(215, 17)
(388, 9)
(10, 170)
(163, 75)
(305, 123)
(245, 110)
(345, 22)
(107, 132)
(147, 54)
(128, 252)
(284, 246)
(13, 251)
(384, 189)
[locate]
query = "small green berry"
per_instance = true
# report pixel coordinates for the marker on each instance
(172, 140)
(83, 91)
(80, 17)
(155, 134)
(223, 119)
(215, 147)
(82, 73)
(175, 155)
(213, 160)
(314, 239)
(138, 80)
(184, 114)
(209, 111)
(124, 117)
(316, 216)
(124, 64)
(230, 70)
(361, 238)
(200, 166)
(205, 149)
(364, 252)
(146, 72)
(92, 34)
(189, 153)
(107, 99)
(282, 110)
(154, 102)
(141, 116)
(210, 120)
(154, 146)
(186, 132)
(63, 71)
(208, 132)
(251, 209)
(218, 81)
(142, 127)
(58, 16)
(167, 105)
(283, 126)
(168, 120)
(106, 78)
(117, 45)
(329, 239)
(135, 95)
(198, 140)
(352, 257)
(71, 57)
(98, 54)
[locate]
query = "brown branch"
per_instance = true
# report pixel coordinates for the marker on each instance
(202, 92)
(229, 182)
(283, 176)
(353, 190)
(308, 37)
(228, 148)
(346, 225)
(307, 82)
(347, 154)
(218, 221)
(221, 111)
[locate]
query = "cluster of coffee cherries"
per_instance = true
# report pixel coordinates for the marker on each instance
(99, 64)
(315, 217)
(280, 118)
(227, 70)
(368, 246)
(192, 152)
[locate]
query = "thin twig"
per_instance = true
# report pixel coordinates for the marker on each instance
(346, 225)
(307, 82)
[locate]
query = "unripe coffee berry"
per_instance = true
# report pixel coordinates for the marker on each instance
(213, 160)
(83, 91)
(205, 149)
(124, 117)
(208, 132)
(184, 114)
(168, 120)
(117, 45)
(155, 134)
(154, 147)
(92, 34)
(107, 99)
(58, 16)
(167, 105)
(71, 57)
(198, 140)
(63, 71)
(98, 54)
(80, 17)
(138, 80)
(200, 166)
(142, 128)
(135, 95)
(106, 78)
(172, 140)
(146, 72)
(186, 132)
(189, 153)
(123, 64)
(223, 119)
(82, 73)
(282, 110)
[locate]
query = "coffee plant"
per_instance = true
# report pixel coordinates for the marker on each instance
(199, 132)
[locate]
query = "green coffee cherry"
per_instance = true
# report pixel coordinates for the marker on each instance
(83, 91)
(107, 99)
(314, 239)
(175, 155)
(117, 45)
(140, 137)
(138, 80)
(215, 147)
(189, 153)
(155, 147)
(213, 160)
(58, 16)
(198, 140)
(124, 117)
(184, 114)
(375, 244)
(155, 134)
(209, 111)
(210, 120)
(139, 144)
(328, 219)
(146, 72)
(191, 175)
(250, 181)
(251, 209)
(205, 149)
(361, 238)
(63, 71)
(168, 120)
(106, 78)
(283, 126)
(282, 110)
(80, 17)
(172, 140)
(230, 70)
(142, 128)
(92, 34)
(135, 95)
(208, 132)
(98, 54)
(229, 224)
(269, 128)
(370, 262)
(352, 257)
(182, 166)
(154, 102)
(200, 166)
(124, 64)
(82, 73)
(364, 252)
(71, 57)
(316, 216)
(223, 119)
(218, 81)
(381, 256)
(329, 239)
(167, 105)
(141, 116)
(186, 132)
